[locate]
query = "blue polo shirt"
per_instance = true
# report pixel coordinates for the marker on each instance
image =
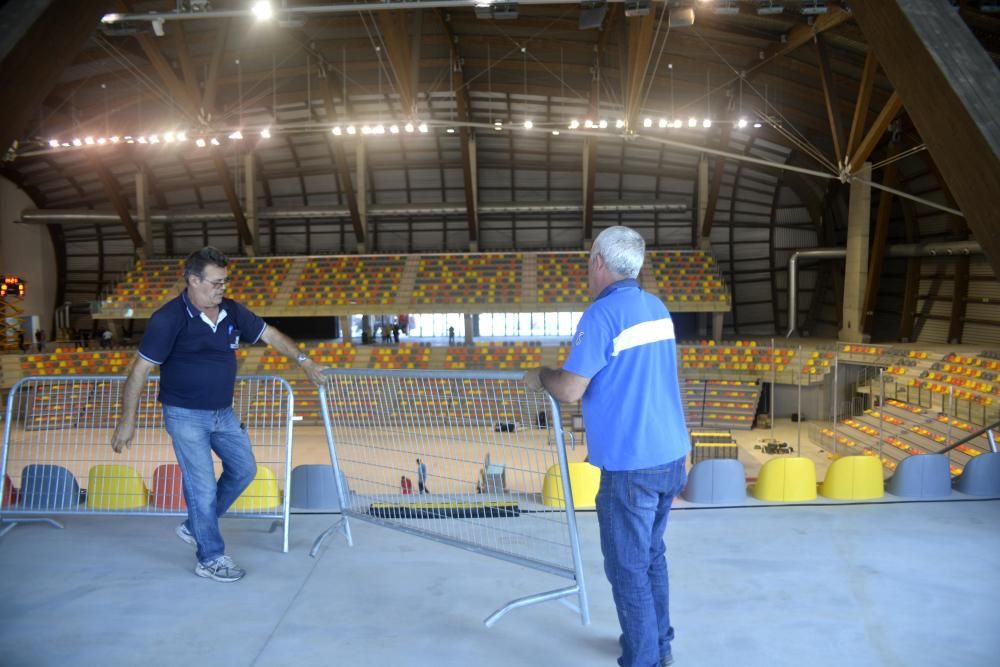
(197, 363)
(632, 408)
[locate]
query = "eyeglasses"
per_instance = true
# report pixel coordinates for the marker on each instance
(217, 284)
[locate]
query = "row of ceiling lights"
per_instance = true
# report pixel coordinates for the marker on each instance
(367, 130)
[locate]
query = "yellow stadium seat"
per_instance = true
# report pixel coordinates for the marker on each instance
(262, 495)
(584, 480)
(786, 479)
(854, 478)
(115, 487)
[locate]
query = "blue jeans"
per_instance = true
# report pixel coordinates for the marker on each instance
(632, 509)
(196, 434)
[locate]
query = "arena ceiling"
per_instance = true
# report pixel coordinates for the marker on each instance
(141, 89)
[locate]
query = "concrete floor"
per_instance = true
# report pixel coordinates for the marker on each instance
(838, 585)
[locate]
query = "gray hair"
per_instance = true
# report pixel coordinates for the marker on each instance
(196, 262)
(622, 248)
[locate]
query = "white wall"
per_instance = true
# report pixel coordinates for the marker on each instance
(26, 251)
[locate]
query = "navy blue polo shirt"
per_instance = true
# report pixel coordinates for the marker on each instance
(632, 408)
(198, 364)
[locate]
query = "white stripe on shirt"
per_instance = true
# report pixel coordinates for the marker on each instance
(641, 334)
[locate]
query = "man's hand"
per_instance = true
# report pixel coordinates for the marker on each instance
(533, 379)
(122, 437)
(314, 372)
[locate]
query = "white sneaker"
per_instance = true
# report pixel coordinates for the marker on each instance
(221, 569)
(185, 534)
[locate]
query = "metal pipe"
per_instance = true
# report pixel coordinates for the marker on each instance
(284, 13)
(946, 248)
(91, 217)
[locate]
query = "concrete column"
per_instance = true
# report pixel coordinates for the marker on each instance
(702, 190)
(856, 272)
(250, 207)
(471, 325)
(474, 175)
(142, 204)
(717, 319)
(361, 187)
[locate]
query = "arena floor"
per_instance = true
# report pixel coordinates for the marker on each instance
(862, 585)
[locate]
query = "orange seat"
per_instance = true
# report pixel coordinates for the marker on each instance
(168, 487)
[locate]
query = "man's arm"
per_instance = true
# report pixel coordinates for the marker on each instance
(564, 386)
(287, 347)
(134, 386)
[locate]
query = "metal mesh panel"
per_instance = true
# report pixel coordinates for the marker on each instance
(490, 448)
(58, 456)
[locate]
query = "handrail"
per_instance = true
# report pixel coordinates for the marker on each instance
(988, 430)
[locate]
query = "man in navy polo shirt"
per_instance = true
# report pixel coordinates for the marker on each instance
(623, 364)
(194, 339)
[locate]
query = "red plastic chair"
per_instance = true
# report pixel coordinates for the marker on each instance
(168, 487)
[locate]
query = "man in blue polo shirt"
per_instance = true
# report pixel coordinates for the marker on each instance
(623, 364)
(194, 339)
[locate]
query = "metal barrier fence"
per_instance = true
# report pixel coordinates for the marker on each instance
(496, 467)
(57, 457)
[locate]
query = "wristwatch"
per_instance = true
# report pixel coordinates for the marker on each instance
(302, 358)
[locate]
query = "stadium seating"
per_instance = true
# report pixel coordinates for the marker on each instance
(115, 487)
(349, 279)
(686, 276)
(476, 279)
(147, 286)
(494, 356)
(255, 281)
(562, 278)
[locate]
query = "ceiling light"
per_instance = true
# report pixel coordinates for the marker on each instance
(54, 143)
(199, 142)
(154, 139)
(214, 141)
(497, 125)
(588, 123)
(450, 130)
(379, 129)
(336, 131)
(692, 122)
(101, 141)
(813, 8)
(408, 127)
(663, 123)
(758, 125)
(769, 8)
(265, 133)
(573, 124)
(636, 8)
(394, 129)
(528, 125)
(619, 124)
(168, 137)
(422, 127)
(603, 124)
(706, 123)
(141, 140)
(237, 135)
(647, 122)
(741, 123)
(351, 129)
(555, 133)
(365, 129)
(89, 141)
(678, 122)
(182, 136)
(729, 7)
(263, 10)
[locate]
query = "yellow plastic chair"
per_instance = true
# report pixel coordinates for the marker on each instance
(786, 480)
(262, 495)
(115, 487)
(854, 478)
(584, 480)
